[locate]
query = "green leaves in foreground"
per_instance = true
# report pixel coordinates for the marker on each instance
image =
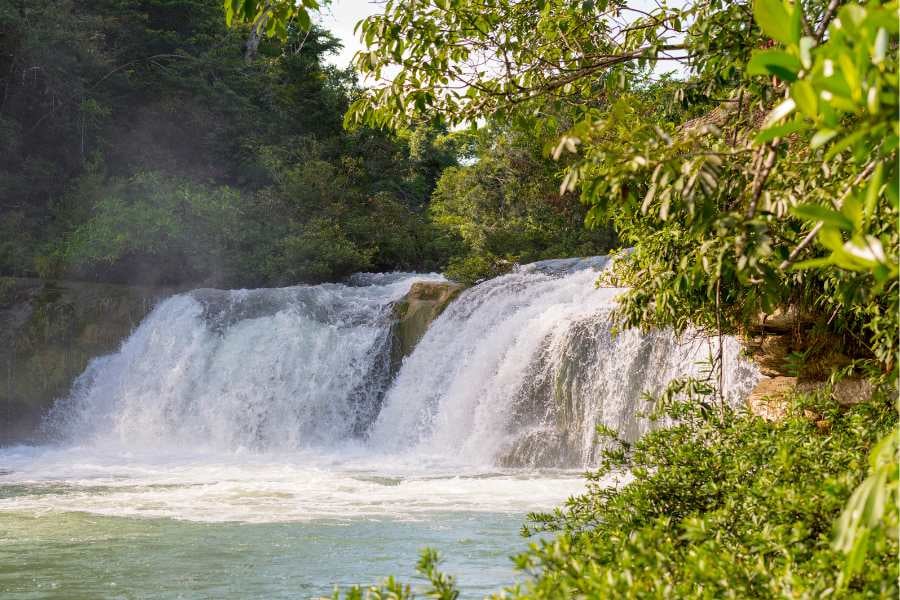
(781, 20)
(872, 507)
(441, 586)
(273, 15)
(727, 505)
(862, 251)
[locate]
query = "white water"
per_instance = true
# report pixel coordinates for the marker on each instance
(269, 369)
(522, 368)
(278, 406)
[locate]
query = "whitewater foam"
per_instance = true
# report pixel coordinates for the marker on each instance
(522, 368)
(271, 405)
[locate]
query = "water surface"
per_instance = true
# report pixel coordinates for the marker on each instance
(84, 523)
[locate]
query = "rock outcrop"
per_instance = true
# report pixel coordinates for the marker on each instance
(793, 356)
(49, 331)
(423, 304)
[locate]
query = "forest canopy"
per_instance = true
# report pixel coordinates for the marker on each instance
(144, 143)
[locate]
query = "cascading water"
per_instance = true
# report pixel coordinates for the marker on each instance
(520, 370)
(262, 443)
(267, 369)
(517, 371)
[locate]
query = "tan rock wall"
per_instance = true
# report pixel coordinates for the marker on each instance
(423, 304)
(793, 357)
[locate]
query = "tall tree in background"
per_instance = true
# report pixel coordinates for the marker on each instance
(141, 146)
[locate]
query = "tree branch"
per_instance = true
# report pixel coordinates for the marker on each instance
(815, 230)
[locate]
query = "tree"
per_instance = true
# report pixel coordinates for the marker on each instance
(717, 208)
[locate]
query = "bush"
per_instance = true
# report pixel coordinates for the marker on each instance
(320, 253)
(721, 505)
(150, 228)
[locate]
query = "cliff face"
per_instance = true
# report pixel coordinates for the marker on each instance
(49, 331)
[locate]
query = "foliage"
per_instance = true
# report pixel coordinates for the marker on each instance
(721, 505)
(318, 252)
(713, 206)
(872, 507)
(272, 17)
(504, 208)
(152, 223)
(103, 101)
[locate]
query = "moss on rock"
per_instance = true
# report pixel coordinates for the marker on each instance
(423, 304)
(49, 331)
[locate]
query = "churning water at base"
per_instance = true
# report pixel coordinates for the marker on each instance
(262, 443)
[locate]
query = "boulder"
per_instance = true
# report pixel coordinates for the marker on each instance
(770, 399)
(423, 304)
(852, 391)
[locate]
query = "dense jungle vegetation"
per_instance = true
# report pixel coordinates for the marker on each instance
(745, 150)
(143, 142)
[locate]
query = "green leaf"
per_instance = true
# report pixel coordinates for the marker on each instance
(831, 238)
(304, 21)
(817, 212)
(852, 209)
(873, 191)
(813, 263)
(775, 62)
(805, 96)
(822, 137)
(229, 12)
(851, 76)
(780, 112)
(777, 131)
(775, 21)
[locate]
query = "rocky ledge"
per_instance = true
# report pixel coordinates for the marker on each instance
(423, 304)
(794, 355)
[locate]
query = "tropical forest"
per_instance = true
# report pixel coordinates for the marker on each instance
(560, 299)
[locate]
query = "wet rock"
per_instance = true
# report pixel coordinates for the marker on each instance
(423, 304)
(538, 448)
(49, 331)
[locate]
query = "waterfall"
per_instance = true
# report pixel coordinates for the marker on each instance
(266, 369)
(517, 371)
(520, 370)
